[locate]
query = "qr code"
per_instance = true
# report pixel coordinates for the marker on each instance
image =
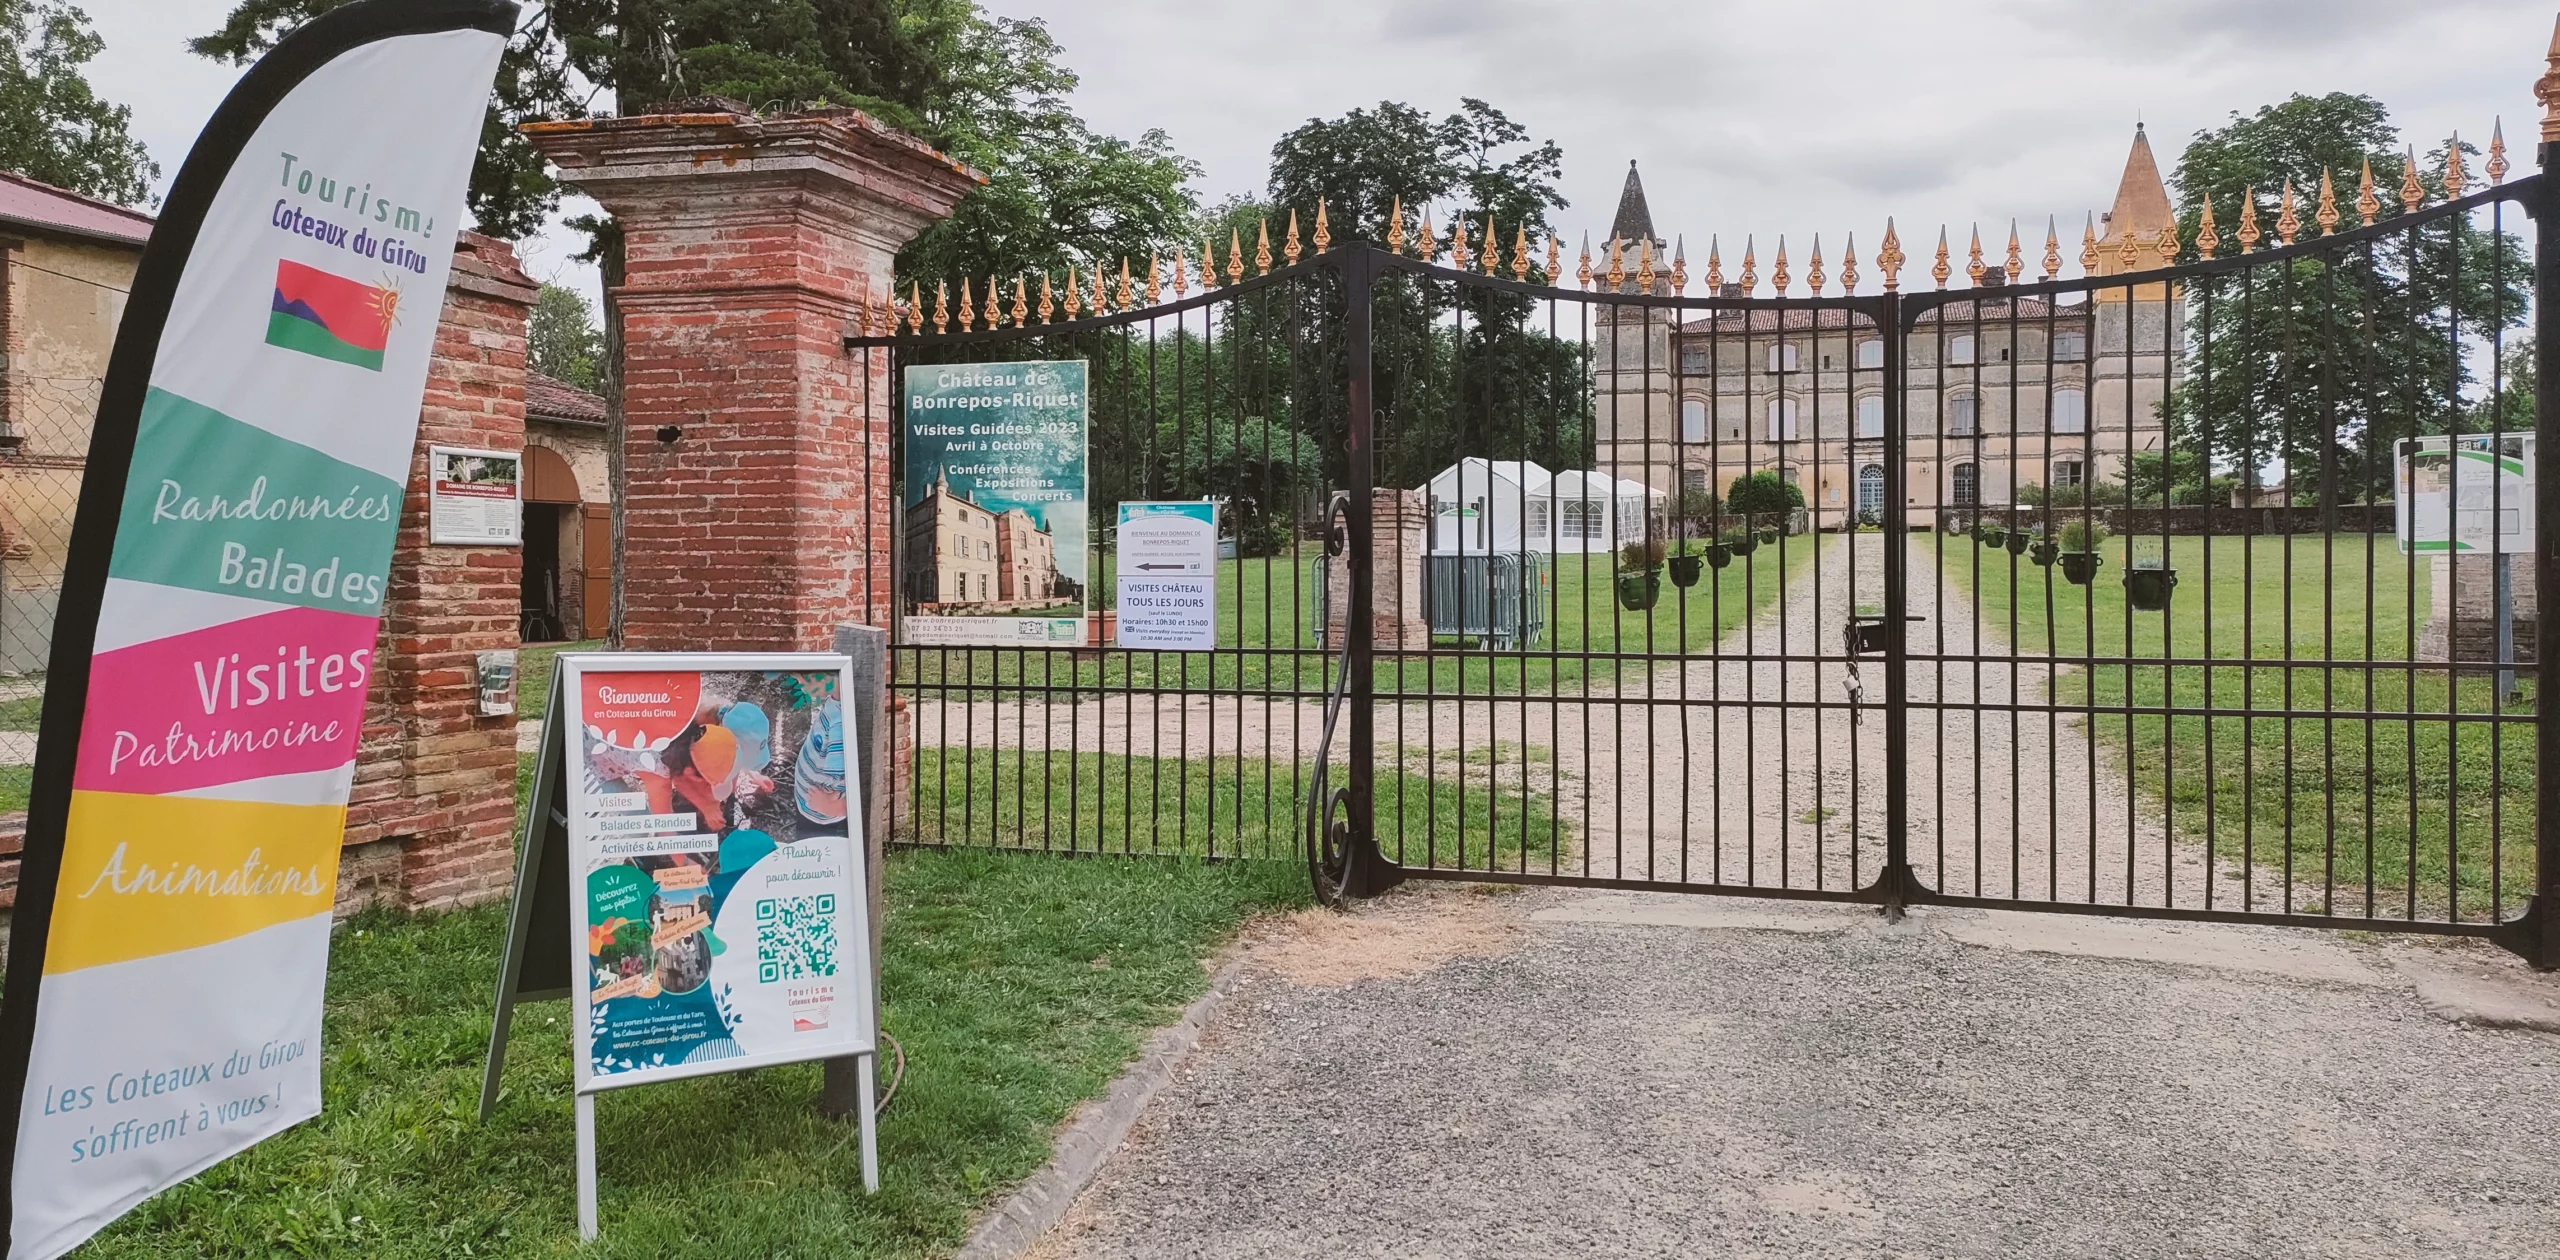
(795, 938)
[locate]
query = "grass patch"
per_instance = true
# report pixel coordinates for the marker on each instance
(533, 676)
(1019, 984)
(2422, 808)
(1270, 636)
(16, 782)
(26, 713)
(1446, 812)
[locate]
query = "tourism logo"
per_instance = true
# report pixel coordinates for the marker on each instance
(331, 316)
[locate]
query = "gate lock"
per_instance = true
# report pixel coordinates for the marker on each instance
(1864, 633)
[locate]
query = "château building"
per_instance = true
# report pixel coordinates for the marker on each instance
(2002, 392)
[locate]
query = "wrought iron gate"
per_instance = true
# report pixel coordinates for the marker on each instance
(1902, 597)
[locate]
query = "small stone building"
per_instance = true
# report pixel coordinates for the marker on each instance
(568, 514)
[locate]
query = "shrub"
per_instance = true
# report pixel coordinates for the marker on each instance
(1763, 494)
(1641, 555)
(2082, 534)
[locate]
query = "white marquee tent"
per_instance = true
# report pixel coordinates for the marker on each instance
(1481, 506)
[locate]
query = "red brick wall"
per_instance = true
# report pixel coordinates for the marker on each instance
(431, 773)
(756, 497)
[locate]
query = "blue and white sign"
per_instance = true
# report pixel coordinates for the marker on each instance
(1168, 576)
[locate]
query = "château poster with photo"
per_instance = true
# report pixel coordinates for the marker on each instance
(995, 522)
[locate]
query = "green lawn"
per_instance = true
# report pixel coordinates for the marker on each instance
(1019, 984)
(533, 675)
(1269, 635)
(2416, 802)
(1451, 814)
(26, 713)
(15, 783)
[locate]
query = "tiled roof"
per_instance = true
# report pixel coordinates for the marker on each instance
(28, 203)
(1991, 310)
(550, 398)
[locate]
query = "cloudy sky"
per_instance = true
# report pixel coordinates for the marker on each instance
(1749, 117)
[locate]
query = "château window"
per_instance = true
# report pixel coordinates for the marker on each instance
(1960, 350)
(1782, 419)
(2070, 411)
(1964, 485)
(1871, 416)
(1782, 357)
(1960, 415)
(2069, 474)
(1693, 420)
(2070, 347)
(1871, 353)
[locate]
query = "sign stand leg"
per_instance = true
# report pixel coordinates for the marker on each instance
(586, 1106)
(865, 1068)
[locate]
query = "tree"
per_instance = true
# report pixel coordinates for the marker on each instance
(564, 341)
(58, 130)
(570, 52)
(1763, 493)
(2320, 364)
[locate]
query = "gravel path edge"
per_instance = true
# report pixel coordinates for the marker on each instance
(1096, 1132)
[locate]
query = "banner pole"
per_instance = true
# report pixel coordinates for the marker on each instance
(866, 1071)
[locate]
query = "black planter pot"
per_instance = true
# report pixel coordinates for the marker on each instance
(1685, 570)
(1769, 537)
(2080, 566)
(1719, 554)
(1639, 591)
(2044, 552)
(1745, 545)
(2018, 542)
(1992, 535)
(2148, 589)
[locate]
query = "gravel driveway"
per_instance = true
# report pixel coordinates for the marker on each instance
(1559, 1073)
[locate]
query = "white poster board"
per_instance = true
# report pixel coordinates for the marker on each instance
(474, 497)
(716, 900)
(2471, 493)
(1166, 585)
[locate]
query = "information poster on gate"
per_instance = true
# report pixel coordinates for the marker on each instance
(2470, 493)
(1165, 580)
(995, 545)
(716, 892)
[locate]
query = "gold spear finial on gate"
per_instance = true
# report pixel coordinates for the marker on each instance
(2128, 253)
(1102, 291)
(915, 307)
(2547, 90)
(1849, 267)
(1324, 232)
(2016, 264)
(1046, 305)
(2248, 233)
(1644, 266)
(2367, 205)
(1021, 302)
(2088, 247)
(1890, 257)
(2287, 222)
(2168, 244)
(1427, 246)
(1458, 244)
(1813, 268)
(1289, 247)
(1155, 288)
(1778, 270)
(2207, 240)
(2457, 180)
(2497, 151)
(1208, 263)
(1617, 265)
(941, 306)
(1075, 294)
(1679, 266)
(1520, 253)
(2412, 193)
(1181, 282)
(1555, 261)
(1492, 247)
(1585, 270)
(1395, 227)
(2327, 215)
(966, 316)
(1750, 277)
(1973, 267)
(2052, 249)
(1128, 298)
(1235, 257)
(1715, 269)
(1262, 247)
(1939, 270)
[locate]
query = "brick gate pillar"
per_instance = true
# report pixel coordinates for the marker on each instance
(757, 489)
(431, 818)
